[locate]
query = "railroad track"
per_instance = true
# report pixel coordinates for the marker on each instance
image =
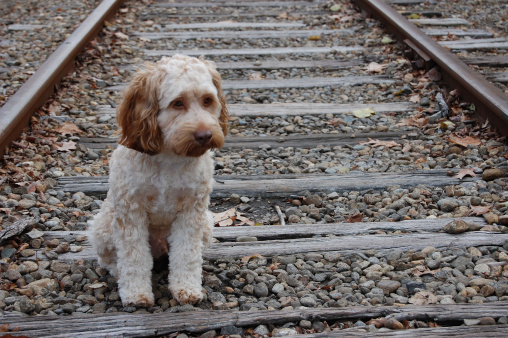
(340, 149)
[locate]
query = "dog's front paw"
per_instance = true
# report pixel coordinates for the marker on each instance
(139, 300)
(187, 296)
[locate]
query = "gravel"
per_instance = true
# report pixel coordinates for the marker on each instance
(30, 172)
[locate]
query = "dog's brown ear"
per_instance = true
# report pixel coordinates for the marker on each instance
(137, 113)
(217, 81)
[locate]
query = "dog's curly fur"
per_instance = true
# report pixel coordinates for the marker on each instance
(172, 114)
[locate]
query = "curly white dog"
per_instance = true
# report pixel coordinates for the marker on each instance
(172, 114)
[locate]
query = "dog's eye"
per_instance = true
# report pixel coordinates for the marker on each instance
(208, 101)
(178, 104)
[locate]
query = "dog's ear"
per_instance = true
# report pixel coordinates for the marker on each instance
(137, 113)
(217, 81)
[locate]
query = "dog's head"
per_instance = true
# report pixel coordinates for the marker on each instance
(174, 105)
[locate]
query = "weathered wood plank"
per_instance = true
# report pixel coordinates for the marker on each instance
(258, 14)
(256, 4)
(475, 33)
(441, 22)
(293, 109)
(254, 142)
(491, 61)
(284, 185)
(233, 24)
(498, 77)
(343, 245)
(295, 83)
(21, 27)
(156, 324)
(254, 51)
(270, 64)
(475, 44)
(246, 34)
(273, 232)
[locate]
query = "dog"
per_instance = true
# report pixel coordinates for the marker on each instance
(173, 114)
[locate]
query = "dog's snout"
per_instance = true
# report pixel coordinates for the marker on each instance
(203, 136)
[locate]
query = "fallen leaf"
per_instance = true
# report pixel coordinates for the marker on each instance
(423, 298)
(121, 36)
(414, 121)
(4, 328)
(415, 98)
(386, 40)
(407, 147)
(363, 113)
(315, 38)
(337, 121)
(478, 210)
(375, 67)
(54, 108)
(377, 322)
(283, 15)
(225, 218)
(380, 143)
(355, 218)
(246, 259)
(433, 75)
(421, 270)
(66, 146)
(464, 140)
(465, 172)
(255, 76)
(244, 220)
(68, 128)
(335, 8)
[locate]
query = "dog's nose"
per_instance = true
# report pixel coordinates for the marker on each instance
(203, 136)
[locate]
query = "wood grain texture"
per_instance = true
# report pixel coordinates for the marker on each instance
(294, 83)
(293, 109)
(131, 325)
(285, 185)
(345, 246)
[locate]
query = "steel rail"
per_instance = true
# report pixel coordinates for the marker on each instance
(490, 102)
(16, 113)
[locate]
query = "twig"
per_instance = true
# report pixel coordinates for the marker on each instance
(281, 215)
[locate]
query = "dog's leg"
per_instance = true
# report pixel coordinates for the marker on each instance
(208, 230)
(100, 235)
(185, 260)
(134, 259)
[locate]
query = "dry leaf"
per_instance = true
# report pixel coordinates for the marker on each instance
(415, 98)
(244, 220)
(225, 218)
(465, 172)
(423, 298)
(255, 76)
(433, 75)
(68, 128)
(363, 113)
(337, 121)
(464, 140)
(375, 67)
(421, 270)
(414, 121)
(355, 218)
(478, 210)
(121, 36)
(66, 146)
(283, 15)
(315, 38)
(54, 108)
(380, 143)
(407, 147)
(377, 322)
(246, 259)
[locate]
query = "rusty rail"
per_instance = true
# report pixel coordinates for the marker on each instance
(490, 102)
(16, 113)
